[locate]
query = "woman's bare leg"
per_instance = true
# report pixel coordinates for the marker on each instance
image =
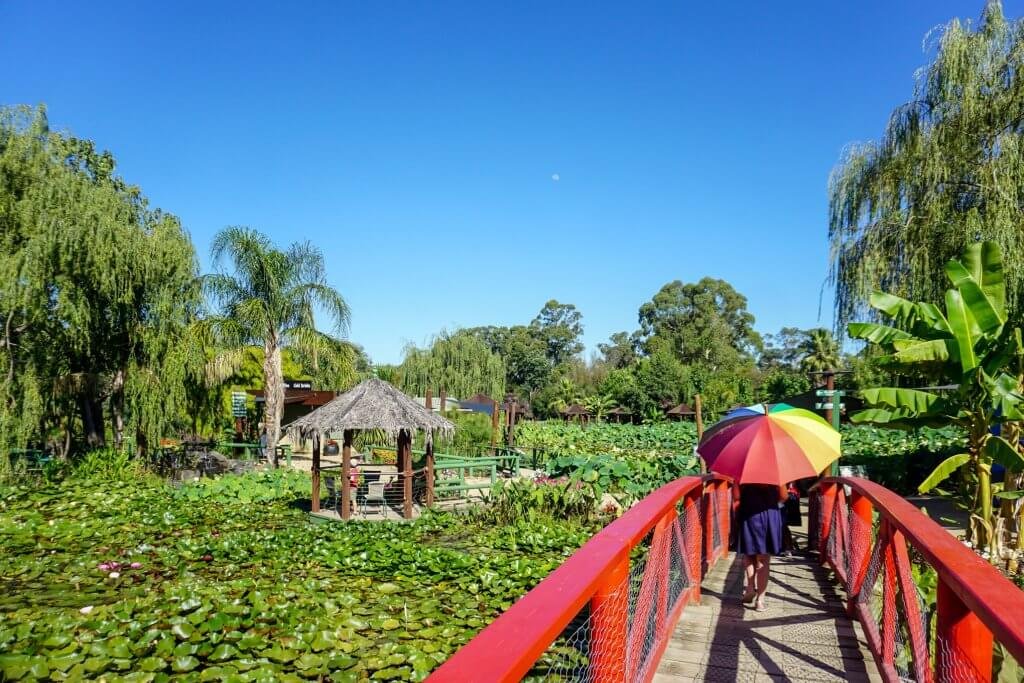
(762, 570)
(749, 573)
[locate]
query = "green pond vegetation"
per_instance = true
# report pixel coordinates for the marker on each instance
(131, 580)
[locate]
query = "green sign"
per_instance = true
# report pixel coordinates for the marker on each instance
(238, 399)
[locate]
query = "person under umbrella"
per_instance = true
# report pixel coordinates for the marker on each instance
(763, 448)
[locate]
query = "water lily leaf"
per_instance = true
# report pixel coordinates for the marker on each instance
(183, 631)
(390, 624)
(279, 654)
(152, 664)
(222, 653)
(182, 664)
(388, 588)
(309, 661)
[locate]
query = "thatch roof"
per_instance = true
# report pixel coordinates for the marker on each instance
(575, 409)
(681, 409)
(372, 405)
(619, 410)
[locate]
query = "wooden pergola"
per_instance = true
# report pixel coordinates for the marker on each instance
(373, 405)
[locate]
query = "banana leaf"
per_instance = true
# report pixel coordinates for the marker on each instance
(942, 472)
(875, 333)
(910, 401)
(1002, 452)
(983, 261)
(964, 329)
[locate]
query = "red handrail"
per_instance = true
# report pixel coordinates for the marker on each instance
(507, 648)
(975, 601)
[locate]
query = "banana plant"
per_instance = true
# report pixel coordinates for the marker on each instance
(969, 345)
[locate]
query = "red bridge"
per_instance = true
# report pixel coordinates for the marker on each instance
(890, 595)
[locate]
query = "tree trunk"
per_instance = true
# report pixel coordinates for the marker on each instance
(273, 392)
(117, 407)
(92, 421)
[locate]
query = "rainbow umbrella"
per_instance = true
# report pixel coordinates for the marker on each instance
(773, 444)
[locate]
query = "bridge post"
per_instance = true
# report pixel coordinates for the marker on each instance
(609, 612)
(828, 502)
(694, 546)
(963, 647)
(860, 547)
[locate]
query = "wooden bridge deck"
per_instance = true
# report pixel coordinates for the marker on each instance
(803, 633)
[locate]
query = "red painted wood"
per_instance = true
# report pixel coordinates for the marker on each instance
(911, 609)
(964, 651)
(888, 597)
(860, 545)
(507, 648)
(609, 609)
(988, 595)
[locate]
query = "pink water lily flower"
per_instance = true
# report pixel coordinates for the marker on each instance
(135, 565)
(104, 566)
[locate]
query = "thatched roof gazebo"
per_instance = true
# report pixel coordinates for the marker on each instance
(620, 414)
(680, 411)
(576, 411)
(373, 405)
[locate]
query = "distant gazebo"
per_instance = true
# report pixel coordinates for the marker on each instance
(680, 412)
(373, 405)
(620, 414)
(576, 412)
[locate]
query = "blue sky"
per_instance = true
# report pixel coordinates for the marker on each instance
(418, 143)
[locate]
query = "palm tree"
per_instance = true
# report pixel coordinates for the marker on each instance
(819, 351)
(269, 301)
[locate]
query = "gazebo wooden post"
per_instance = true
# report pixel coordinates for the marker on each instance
(444, 401)
(494, 424)
(428, 400)
(405, 450)
(346, 469)
(697, 415)
(316, 472)
(511, 439)
(430, 470)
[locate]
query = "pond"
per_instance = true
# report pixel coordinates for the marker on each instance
(133, 580)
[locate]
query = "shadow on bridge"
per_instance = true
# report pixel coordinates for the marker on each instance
(803, 634)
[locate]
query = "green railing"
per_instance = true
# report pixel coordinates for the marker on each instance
(453, 474)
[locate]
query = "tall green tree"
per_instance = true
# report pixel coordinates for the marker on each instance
(949, 169)
(270, 299)
(559, 326)
(705, 322)
(97, 293)
(620, 351)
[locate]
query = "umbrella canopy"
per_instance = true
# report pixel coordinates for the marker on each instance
(372, 405)
(769, 444)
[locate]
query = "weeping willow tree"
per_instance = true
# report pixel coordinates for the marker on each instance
(97, 293)
(948, 171)
(459, 363)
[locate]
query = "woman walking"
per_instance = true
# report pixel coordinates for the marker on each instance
(760, 536)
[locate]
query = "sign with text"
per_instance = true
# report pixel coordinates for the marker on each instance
(298, 384)
(238, 399)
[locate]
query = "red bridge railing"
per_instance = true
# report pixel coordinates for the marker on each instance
(607, 613)
(930, 607)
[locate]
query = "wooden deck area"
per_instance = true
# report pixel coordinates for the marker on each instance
(803, 634)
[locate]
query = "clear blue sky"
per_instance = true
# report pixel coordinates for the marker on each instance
(416, 143)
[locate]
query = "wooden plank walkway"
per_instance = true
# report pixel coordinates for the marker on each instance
(803, 633)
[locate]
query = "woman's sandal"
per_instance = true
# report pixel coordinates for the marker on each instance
(760, 605)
